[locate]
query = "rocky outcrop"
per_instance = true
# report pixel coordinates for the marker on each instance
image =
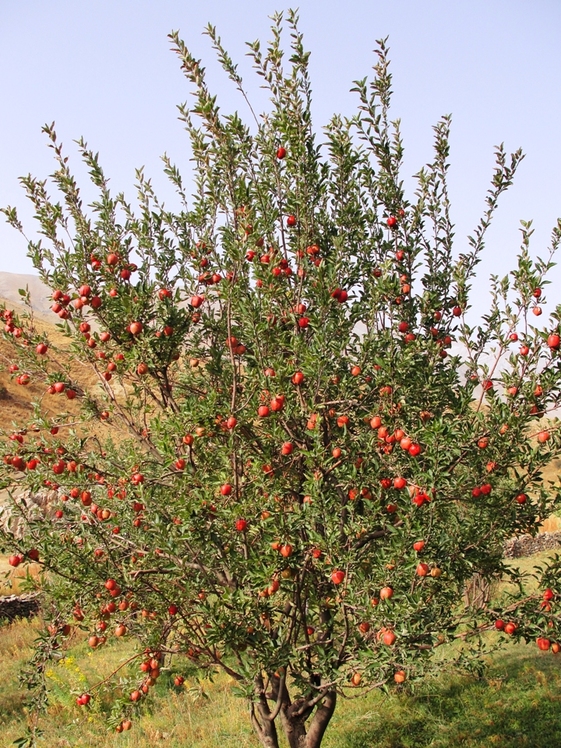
(17, 507)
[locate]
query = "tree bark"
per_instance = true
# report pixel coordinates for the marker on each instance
(261, 720)
(294, 716)
(321, 719)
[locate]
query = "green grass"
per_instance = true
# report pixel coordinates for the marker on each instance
(517, 704)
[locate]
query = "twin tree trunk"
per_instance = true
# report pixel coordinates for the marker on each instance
(293, 716)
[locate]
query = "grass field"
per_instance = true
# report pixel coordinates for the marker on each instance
(517, 704)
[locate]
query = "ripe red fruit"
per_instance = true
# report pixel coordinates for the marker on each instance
(499, 624)
(391, 221)
(543, 643)
(164, 293)
(226, 489)
(71, 394)
(418, 545)
(287, 448)
(286, 550)
(241, 525)
(19, 463)
(231, 422)
(510, 628)
(297, 378)
(343, 421)
(456, 311)
(59, 467)
(263, 411)
(388, 638)
(544, 436)
(399, 482)
(172, 610)
(414, 449)
(277, 403)
(406, 443)
(355, 371)
(521, 498)
(548, 594)
(553, 341)
(303, 322)
(422, 570)
(337, 576)
(135, 328)
(291, 221)
(180, 463)
(15, 560)
(281, 153)
(42, 348)
(537, 310)
(386, 593)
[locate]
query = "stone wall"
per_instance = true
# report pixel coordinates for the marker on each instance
(19, 606)
(526, 545)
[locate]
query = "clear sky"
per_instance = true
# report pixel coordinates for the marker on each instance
(102, 69)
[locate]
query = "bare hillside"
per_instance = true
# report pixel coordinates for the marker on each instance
(40, 294)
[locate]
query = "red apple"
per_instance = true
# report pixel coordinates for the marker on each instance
(337, 576)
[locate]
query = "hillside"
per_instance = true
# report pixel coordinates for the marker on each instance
(40, 294)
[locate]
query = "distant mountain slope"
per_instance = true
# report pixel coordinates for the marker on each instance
(40, 294)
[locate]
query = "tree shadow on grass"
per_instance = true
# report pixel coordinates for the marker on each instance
(517, 705)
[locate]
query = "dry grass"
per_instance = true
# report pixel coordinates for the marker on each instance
(12, 581)
(515, 706)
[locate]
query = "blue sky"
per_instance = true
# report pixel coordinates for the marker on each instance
(103, 70)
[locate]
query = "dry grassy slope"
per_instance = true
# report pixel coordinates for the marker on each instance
(16, 401)
(40, 294)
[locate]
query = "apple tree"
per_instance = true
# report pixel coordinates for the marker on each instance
(283, 446)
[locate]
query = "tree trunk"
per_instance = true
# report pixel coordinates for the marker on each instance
(293, 715)
(262, 720)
